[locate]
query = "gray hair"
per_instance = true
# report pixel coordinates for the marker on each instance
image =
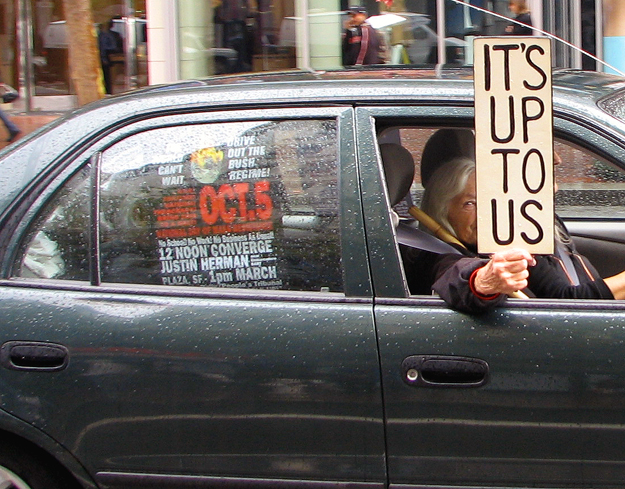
(446, 183)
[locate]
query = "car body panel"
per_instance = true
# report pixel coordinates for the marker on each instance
(195, 386)
(550, 415)
(232, 412)
(538, 419)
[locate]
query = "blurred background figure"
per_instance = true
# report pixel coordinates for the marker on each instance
(361, 43)
(12, 129)
(109, 43)
(522, 14)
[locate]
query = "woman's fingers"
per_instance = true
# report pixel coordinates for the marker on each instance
(506, 272)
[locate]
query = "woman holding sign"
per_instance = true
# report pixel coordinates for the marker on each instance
(474, 283)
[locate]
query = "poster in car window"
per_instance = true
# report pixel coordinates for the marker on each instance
(216, 224)
(213, 202)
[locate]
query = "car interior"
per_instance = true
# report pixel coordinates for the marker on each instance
(590, 196)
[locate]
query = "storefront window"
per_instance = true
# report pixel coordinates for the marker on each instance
(197, 38)
(8, 73)
(50, 58)
(254, 36)
(124, 64)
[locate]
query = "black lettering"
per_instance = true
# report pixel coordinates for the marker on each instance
(506, 48)
(536, 224)
(498, 240)
(493, 118)
(543, 171)
(540, 71)
(505, 153)
(487, 67)
(528, 118)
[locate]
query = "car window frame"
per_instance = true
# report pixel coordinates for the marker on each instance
(387, 272)
(356, 283)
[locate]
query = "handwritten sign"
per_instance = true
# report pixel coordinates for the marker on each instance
(514, 144)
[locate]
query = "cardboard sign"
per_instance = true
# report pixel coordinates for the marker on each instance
(514, 144)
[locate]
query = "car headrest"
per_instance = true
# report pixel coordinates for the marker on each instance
(445, 145)
(398, 169)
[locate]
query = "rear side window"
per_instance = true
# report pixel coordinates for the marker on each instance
(250, 205)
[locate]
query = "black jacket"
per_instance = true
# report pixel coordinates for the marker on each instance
(361, 46)
(520, 30)
(448, 275)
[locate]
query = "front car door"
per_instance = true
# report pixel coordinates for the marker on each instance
(530, 394)
(205, 311)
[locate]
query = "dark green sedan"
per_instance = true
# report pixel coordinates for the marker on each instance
(201, 286)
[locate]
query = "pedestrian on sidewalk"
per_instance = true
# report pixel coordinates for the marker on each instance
(12, 129)
(520, 9)
(362, 44)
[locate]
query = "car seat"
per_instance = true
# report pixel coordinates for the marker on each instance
(443, 146)
(399, 171)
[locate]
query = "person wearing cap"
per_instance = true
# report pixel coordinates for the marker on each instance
(361, 43)
(473, 283)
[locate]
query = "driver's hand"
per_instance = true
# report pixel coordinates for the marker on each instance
(506, 272)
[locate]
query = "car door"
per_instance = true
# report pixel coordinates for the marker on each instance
(190, 300)
(530, 394)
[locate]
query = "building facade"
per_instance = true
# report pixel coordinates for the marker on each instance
(162, 41)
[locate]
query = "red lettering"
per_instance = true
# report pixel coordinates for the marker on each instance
(208, 209)
(241, 189)
(220, 204)
(226, 194)
(264, 205)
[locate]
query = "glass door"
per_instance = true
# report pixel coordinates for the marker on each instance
(46, 70)
(122, 40)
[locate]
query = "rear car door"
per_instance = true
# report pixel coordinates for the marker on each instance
(184, 303)
(530, 394)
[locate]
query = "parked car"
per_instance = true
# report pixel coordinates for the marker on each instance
(408, 35)
(420, 42)
(201, 286)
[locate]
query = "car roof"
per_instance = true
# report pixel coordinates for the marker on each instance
(398, 86)
(338, 86)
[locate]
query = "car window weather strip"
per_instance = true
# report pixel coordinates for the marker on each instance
(94, 221)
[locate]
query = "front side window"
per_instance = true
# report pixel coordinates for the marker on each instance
(590, 196)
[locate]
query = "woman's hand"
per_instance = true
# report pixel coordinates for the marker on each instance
(506, 272)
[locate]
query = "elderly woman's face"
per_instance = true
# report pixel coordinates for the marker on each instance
(462, 213)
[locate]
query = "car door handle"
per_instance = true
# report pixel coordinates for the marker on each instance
(33, 355)
(444, 371)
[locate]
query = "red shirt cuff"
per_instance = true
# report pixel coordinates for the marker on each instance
(474, 290)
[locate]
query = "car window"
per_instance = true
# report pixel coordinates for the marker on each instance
(241, 204)
(57, 244)
(588, 186)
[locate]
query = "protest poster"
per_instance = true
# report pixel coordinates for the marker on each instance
(215, 227)
(514, 144)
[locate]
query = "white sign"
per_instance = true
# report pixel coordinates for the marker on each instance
(514, 144)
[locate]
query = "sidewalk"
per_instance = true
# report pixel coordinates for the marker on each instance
(27, 123)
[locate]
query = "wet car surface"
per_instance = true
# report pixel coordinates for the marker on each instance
(201, 287)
